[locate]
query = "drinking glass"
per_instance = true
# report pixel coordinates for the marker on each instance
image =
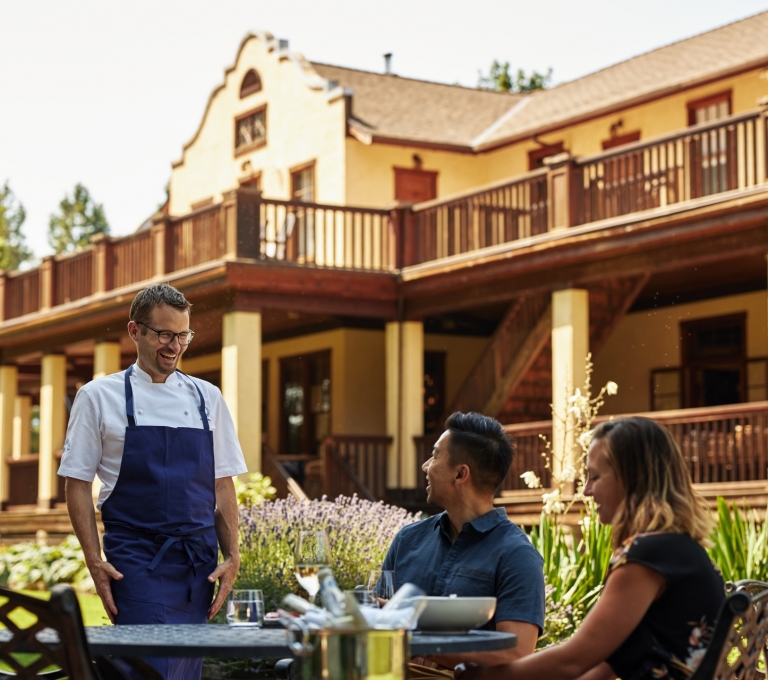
(245, 608)
(313, 552)
(364, 597)
(382, 583)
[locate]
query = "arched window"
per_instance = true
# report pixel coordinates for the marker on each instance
(251, 83)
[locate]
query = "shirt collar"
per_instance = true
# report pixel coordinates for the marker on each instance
(482, 524)
(143, 375)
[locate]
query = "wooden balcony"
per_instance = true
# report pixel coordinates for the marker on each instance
(700, 162)
(725, 449)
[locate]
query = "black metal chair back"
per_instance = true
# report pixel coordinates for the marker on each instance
(26, 654)
(739, 637)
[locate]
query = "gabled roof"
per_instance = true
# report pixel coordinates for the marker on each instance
(683, 64)
(388, 107)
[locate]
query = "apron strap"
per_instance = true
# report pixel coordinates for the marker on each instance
(203, 414)
(129, 397)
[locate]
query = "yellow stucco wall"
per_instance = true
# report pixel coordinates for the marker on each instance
(304, 124)
(652, 119)
(357, 379)
(651, 339)
(462, 351)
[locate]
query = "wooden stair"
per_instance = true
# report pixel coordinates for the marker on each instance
(512, 379)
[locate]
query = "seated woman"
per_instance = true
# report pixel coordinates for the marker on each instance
(662, 593)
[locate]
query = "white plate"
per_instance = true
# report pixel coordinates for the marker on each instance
(456, 614)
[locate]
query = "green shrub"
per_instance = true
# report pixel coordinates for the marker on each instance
(573, 572)
(739, 543)
(255, 490)
(40, 567)
(360, 533)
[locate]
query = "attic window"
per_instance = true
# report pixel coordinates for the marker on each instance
(251, 130)
(251, 83)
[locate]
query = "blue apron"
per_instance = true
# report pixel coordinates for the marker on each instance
(159, 528)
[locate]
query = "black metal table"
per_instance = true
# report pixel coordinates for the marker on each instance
(215, 640)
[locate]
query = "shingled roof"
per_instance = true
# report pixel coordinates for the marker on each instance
(388, 107)
(673, 67)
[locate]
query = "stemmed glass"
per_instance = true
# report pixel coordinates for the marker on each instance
(382, 583)
(313, 551)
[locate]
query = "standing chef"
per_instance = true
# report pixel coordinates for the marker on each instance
(165, 448)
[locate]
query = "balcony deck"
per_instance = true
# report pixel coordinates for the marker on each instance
(700, 166)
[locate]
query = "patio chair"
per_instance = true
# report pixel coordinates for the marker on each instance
(29, 656)
(740, 635)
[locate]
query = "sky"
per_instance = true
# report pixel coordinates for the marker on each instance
(107, 93)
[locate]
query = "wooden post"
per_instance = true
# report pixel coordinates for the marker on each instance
(560, 213)
(761, 141)
(103, 263)
(106, 359)
(242, 220)
(241, 380)
(8, 387)
(53, 394)
(403, 223)
(162, 245)
(46, 271)
(3, 294)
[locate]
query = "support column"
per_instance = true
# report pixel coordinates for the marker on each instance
(22, 416)
(241, 380)
(8, 387)
(570, 346)
(106, 359)
(52, 419)
(404, 351)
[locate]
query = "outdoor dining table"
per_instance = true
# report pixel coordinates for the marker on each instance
(219, 640)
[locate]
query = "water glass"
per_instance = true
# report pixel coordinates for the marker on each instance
(382, 583)
(365, 597)
(245, 608)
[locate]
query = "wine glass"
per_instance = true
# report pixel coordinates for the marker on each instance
(382, 583)
(313, 551)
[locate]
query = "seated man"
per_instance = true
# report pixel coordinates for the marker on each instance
(472, 549)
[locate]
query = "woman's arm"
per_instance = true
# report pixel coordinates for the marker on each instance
(628, 593)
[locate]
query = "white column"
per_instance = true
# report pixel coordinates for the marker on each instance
(52, 424)
(21, 427)
(404, 352)
(241, 380)
(8, 387)
(106, 359)
(570, 346)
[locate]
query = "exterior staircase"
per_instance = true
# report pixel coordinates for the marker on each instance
(512, 379)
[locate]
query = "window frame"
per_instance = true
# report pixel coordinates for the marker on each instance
(246, 148)
(250, 89)
(536, 155)
(620, 140)
(402, 174)
(311, 165)
(703, 102)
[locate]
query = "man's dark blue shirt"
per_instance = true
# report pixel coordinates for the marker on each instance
(490, 557)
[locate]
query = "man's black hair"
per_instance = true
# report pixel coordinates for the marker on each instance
(481, 443)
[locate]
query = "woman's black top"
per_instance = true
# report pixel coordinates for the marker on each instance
(674, 634)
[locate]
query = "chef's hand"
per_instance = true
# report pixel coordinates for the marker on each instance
(102, 572)
(225, 574)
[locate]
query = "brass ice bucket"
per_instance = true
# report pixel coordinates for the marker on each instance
(339, 654)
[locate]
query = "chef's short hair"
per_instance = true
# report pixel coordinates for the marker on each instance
(152, 296)
(484, 445)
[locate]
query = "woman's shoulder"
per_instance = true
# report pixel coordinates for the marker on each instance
(658, 548)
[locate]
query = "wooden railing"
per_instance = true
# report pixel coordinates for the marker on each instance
(22, 293)
(719, 444)
(703, 160)
(75, 277)
(284, 484)
(500, 213)
(23, 481)
(355, 464)
(200, 237)
(326, 235)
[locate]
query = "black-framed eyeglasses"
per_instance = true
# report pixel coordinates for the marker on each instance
(166, 337)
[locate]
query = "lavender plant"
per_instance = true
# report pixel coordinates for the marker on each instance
(360, 533)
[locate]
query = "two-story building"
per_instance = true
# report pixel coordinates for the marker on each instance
(366, 253)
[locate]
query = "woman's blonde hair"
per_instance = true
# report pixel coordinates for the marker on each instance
(659, 495)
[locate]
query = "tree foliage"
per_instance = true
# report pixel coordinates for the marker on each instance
(79, 218)
(501, 80)
(13, 249)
